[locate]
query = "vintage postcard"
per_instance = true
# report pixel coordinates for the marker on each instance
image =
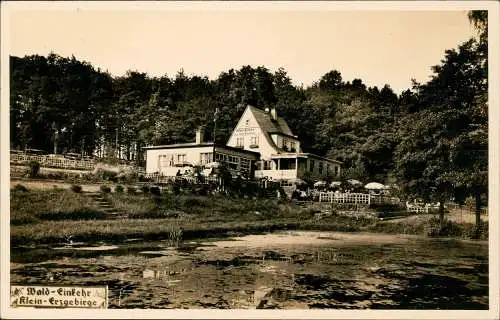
(250, 160)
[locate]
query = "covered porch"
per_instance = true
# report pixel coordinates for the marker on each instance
(282, 167)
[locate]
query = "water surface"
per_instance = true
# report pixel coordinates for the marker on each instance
(279, 270)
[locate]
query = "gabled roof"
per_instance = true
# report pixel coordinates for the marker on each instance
(268, 125)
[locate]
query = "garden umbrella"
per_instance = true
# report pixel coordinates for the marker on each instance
(320, 184)
(375, 186)
(354, 182)
(335, 184)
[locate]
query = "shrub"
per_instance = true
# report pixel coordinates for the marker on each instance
(155, 190)
(34, 169)
(145, 189)
(388, 210)
(76, 188)
(119, 189)
(454, 229)
(105, 189)
(20, 187)
(109, 176)
(176, 187)
(55, 175)
(131, 190)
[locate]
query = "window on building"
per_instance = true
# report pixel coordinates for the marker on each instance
(320, 168)
(292, 146)
(181, 158)
(337, 170)
(232, 162)
(219, 157)
(240, 142)
(267, 165)
(311, 165)
(247, 122)
(171, 161)
(245, 165)
(285, 144)
(254, 141)
(162, 160)
(205, 158)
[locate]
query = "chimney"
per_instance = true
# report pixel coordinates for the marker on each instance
(274, 115)
(199, 135)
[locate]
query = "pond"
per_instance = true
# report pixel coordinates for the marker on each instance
(281, 270)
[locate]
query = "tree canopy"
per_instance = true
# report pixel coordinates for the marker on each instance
(432, 138)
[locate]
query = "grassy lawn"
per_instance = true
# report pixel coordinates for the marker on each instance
(29, 207)
(46, 216)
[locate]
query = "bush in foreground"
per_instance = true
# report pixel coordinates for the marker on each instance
(105, 189)
(76, 188)
(131, 190)
(34, 169)
(119, 188)
(20, 187)
(155, 191)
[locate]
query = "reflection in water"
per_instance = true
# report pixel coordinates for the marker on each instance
(379, 275)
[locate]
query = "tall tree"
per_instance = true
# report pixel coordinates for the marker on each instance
(453, 123)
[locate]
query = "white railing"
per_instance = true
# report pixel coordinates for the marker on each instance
(54, 162)
(276, 174)
(421, 208)
(356, 198)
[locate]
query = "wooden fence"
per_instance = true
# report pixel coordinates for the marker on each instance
(52, 162)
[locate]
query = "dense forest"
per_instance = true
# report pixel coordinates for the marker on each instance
(431, 139)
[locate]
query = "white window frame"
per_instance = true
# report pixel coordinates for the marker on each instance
(254, 140)
(240, 141)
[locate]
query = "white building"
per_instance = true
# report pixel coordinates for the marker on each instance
(169, 160)
(261, 145)
(281, 156)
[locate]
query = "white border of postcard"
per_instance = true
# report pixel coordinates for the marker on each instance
(493, 6)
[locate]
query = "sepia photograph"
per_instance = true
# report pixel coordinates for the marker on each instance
(274, 159)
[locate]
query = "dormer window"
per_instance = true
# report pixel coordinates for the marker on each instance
(285, 145)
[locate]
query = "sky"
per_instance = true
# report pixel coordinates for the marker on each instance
(379, 47)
